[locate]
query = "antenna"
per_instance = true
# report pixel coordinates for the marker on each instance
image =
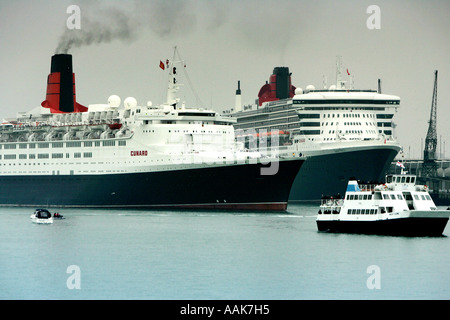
(379, 85)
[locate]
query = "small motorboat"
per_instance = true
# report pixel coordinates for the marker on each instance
(41, 216)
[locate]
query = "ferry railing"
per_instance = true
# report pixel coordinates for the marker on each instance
(367, 187)
(332, 202)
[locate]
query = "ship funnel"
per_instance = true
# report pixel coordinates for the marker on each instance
(61, 97)
(280, 86)
(238, 103)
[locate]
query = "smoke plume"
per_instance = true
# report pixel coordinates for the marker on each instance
(103, 24)
(99, 27)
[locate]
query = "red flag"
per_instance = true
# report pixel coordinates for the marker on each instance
(348, 72)
(161, 65)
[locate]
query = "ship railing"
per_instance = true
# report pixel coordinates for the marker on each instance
(331, 202)
(367, 187)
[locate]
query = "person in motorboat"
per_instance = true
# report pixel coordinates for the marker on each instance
(57, 215)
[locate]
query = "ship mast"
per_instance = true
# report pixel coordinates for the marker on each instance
(173, 85)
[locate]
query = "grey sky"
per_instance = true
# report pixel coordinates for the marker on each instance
(226, 41)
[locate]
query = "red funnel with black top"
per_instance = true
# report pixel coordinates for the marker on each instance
(61, 96)
(280, 86)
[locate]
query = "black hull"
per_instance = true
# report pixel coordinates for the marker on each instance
(229, 187)
(329, 174)
(409, 227)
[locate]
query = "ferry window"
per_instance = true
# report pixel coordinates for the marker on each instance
(358, 211)
(399, 197)
(366, 197)
(385, 196)
(389, 179)
(360, 197)
(413, 179)
(416, 197)
(407, 179)
(393, 196)
(422, 196)
(428, 197)
(370, 197)
(403, 179)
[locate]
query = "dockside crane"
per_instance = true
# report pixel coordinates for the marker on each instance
(429, 167)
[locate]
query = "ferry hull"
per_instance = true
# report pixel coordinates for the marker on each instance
(329, 173)
(228, 187)
(410, 227)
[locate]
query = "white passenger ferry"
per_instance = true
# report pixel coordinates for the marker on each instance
(398, 207)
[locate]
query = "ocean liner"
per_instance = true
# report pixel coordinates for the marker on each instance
(343, 132)
(63, 154)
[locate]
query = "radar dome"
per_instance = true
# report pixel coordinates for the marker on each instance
(299, 91)
(114, 101)
(310, 87)
(130, 103)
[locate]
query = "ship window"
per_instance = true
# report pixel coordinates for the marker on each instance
(57, 155)
(87, 154)
(393, 196)
(43, 156)
(416, 197)
(57, 145)
(22, 156)
(109, 143)
(428, 197)
(77, 155)
(88, 144)
(73, 144)
(422, 196)
(385, 196)
(407, 179)
(10, 156)
(413, 179)
(399, 197)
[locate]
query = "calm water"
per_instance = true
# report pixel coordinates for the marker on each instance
(211, 255)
